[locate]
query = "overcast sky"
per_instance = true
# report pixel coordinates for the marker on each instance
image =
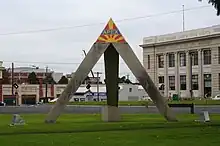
(66, 45)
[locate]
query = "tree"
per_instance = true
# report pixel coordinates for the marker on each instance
(32, 78)
(63, 80)
(49, 79)
(122, 80)
(127, 81)
(5, 77)
(216, 4)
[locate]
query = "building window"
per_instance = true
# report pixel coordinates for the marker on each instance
(207, 57)
(171, 60)
(182, 59)
(161, 79)
(183, 82)
(161, 82)
(161, 61)
(172, 82)
(194, 57)
(148, 61)
(16, 74)
(130, 89)
(195, 82)
(208, 80)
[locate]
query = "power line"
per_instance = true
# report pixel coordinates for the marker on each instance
(101, 23)
(55, 63)
(164, 13)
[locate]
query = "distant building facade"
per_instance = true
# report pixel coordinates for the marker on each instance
(91, 80)
(31, 94)
(185, 63)
(21, 74)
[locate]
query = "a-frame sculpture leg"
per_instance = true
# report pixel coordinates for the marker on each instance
(83, 70)
(140, 73)
(110, 112)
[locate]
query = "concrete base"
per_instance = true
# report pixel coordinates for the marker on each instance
(110, 114)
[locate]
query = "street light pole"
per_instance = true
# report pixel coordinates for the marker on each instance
(98, 73)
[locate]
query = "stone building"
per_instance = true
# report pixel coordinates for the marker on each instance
(185, 63)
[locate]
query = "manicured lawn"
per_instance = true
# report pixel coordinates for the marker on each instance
(82, 130)
(144, 103)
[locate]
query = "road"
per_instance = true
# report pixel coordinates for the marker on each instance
(86, 109)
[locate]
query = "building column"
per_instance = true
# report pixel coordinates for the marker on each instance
(52, 91)
(156, 72)
(41, 93)
(55, 91)
(1, 89)
(166, 80)
(215, 71)
(188, 73)
(200, 75)
(1, 78)
(177, 76)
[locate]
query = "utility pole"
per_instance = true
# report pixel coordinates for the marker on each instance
(183, 18)
(12, 79)
(46, 84)
(98, 79)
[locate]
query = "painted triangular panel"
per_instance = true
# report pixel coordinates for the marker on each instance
(111, 34)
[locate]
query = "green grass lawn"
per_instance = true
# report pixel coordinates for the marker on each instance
(144, 103)
(82, 130)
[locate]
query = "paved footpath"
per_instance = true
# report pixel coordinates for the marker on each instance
(87, 109)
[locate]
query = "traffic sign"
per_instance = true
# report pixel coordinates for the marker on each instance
(15, 86)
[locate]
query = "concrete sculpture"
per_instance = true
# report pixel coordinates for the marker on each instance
(111, 43)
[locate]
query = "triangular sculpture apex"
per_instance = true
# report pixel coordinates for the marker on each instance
(111, 34)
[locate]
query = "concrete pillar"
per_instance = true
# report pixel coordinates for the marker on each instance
(200, 75)
(215, 70)
(144, 79)
(82, 71)
(188, 73)
(166, 80)
(177, 76)
(111, 111)
(19, 95)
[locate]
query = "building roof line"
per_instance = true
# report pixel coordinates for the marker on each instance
(179, 41)
(185, 35)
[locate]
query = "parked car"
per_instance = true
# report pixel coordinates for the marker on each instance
(217, 97)
(53, 100)
(2, 104)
